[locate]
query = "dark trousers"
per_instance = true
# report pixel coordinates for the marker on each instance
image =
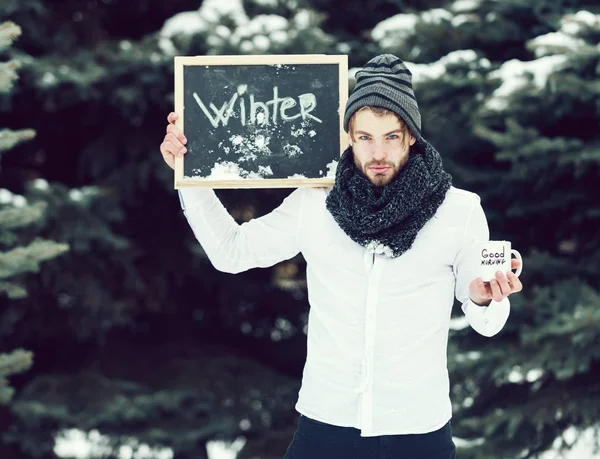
(317, 440)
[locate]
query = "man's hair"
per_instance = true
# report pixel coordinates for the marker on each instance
(377, 111)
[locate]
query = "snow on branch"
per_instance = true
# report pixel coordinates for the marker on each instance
(9, 31)
(27, 259)
(8, 75)
(18, 217)
(17, 361)
(9, 138)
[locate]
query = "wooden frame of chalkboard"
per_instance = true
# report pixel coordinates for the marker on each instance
(270, 121)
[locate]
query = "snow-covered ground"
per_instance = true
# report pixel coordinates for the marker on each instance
(75, 444)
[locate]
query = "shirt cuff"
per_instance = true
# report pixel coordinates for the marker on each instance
(488, 320)
(190, 198)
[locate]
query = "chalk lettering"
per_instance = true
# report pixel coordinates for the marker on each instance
(262, 118)
(288, 102)
(241, 90)
(243, 111)
(221, 115)
(274, 102)
(308, 102)
(260, 113)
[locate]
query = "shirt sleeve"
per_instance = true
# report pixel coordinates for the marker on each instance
(485, 320)
(233, 248)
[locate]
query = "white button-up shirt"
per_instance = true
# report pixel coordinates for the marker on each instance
(377, 327)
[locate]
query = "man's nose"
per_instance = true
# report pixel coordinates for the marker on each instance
(379, 153)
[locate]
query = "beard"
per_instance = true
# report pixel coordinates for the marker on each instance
(380, 179)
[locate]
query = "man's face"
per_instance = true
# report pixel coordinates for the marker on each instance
(380, 147)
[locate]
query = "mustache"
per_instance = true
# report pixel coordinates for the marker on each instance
(379, 164)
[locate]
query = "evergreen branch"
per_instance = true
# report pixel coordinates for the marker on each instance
(6, 393)
(9, 31)
(8, 75)
(588, 155)
(19, 217)
(17, 361)
(13, 291)
(27, 259)
(7, 238)
(567, 324)
(9, 138)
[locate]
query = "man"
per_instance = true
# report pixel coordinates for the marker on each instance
(386, 248)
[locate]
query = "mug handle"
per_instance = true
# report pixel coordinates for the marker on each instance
(518, 257)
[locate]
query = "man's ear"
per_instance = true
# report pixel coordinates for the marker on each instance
(413, 139)
(349, 139)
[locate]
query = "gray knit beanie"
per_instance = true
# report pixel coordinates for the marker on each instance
(385, 82)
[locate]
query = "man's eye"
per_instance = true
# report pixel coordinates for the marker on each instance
(364, 137)
(393, 136)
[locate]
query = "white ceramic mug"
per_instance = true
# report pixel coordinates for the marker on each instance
(495, 256)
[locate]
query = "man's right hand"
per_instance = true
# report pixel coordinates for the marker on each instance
(173, 144)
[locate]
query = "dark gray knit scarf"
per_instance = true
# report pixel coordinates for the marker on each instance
(386, 219)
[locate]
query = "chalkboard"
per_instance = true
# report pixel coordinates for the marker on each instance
(260, 121)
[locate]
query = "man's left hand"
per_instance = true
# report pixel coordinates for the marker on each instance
(482, 293)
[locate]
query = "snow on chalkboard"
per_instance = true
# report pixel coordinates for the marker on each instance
(260, 121)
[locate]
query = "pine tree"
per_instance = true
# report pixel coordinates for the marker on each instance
(135, 277)
(15, 214)
(508, 92)
(546, 140)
